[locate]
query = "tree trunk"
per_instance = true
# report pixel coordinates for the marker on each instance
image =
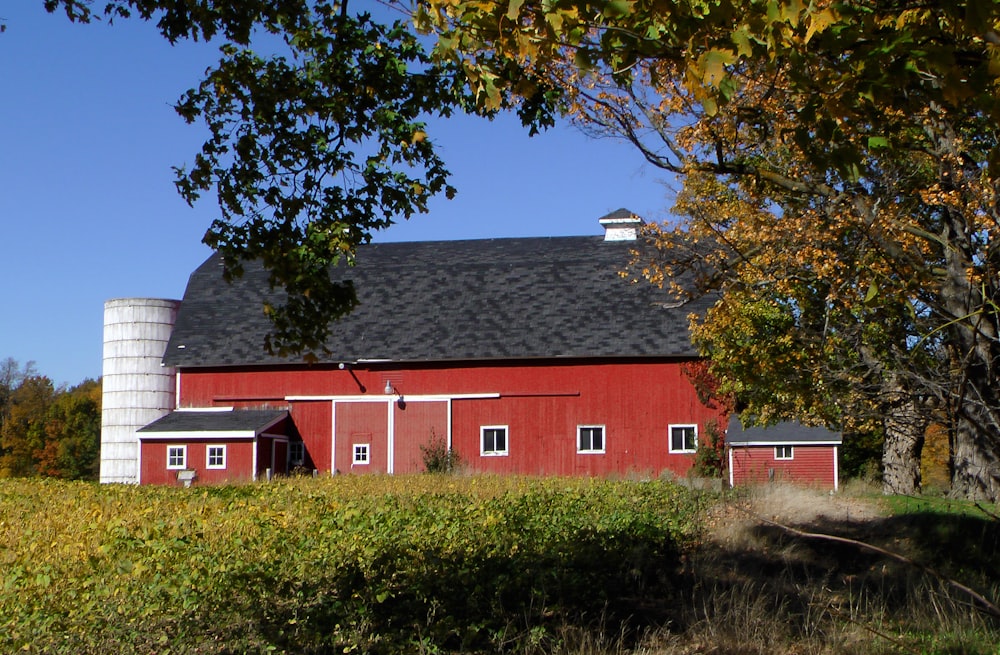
(969, 295)
(975, 459)
(901, 462)
(904, 426)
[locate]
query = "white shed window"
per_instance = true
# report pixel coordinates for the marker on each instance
(215, 457)
(590, 439)
(783, 452)
(683, 438)
(493, 440)
(176, 457)
(361, 453)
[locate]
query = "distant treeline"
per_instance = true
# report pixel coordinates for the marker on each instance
(47, 430)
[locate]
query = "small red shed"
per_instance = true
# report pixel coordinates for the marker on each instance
(786, 451)
(213, 446)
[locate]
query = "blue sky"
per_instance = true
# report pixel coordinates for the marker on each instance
(88, 210)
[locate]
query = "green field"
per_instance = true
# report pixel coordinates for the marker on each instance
(453, 564)
(372, 564)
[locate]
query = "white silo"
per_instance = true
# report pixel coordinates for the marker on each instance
(137, 388)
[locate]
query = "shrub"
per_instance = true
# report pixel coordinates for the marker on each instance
(438, 457)
(710, 457)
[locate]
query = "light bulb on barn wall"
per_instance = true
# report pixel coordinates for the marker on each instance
(390, 389)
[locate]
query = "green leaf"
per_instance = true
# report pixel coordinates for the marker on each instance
(878, 142)
(617, 8)
(872, 293)
(710, 106)
(713, 65)
(741, 39)
(514, 9)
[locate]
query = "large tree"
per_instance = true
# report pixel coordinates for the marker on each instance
(851, 212)
(45, 430)
(854, 141)
(72, 434)
(12, 376)
(23, 431)
(317, 137)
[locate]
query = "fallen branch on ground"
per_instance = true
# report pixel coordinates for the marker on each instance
(984, 603)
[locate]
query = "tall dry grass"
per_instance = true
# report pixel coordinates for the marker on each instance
(753, 588)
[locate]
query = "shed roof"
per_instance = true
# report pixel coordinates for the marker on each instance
(230, 422)
(788, 432)
(517, 298)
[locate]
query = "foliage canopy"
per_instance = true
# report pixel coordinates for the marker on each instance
(839, 161)
(317, 137)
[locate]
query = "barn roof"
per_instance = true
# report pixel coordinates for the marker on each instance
(230, 422)
(788, 432)
(518, 298)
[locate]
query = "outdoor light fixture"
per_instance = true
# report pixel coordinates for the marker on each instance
(390, 389)
(346, 366)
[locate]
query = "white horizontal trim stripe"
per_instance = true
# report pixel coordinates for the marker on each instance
(204, 409)
(199, 434)
(740, 444)
(382, 398)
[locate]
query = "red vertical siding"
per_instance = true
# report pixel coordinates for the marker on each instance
(541, 403)
(239, 462)
(415, 423)
(263, 457)
(280, 457)
(312, 421)
(362, 423)
(810, 465)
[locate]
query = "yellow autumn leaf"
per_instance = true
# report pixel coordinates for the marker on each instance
(713, 64)
(819, 22)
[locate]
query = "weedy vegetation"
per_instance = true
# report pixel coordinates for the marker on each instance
(464, 564)
(352, 564)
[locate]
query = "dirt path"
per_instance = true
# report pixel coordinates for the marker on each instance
(788, 505)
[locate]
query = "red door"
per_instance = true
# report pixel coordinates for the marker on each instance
(417, 424)
(361, 437)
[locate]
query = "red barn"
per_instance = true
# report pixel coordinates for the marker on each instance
(525, 355)
(787, 451)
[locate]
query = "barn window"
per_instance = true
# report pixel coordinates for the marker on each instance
(590, 439)
(783, 452)
(215, 457)
(683, 438)
(177, 457)
(296, 453)
(361, 453)
(494, 440)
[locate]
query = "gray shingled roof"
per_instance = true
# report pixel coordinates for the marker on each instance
(790, 432)
(237, 420)
(451, 301)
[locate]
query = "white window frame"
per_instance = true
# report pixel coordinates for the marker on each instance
(183, 457)
(670, 437)
(356, 450)
(780, 456)
(494, 451)
(591, 450)
(208, 456)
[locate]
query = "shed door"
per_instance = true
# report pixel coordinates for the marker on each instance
(362, 438)
(417, 424)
